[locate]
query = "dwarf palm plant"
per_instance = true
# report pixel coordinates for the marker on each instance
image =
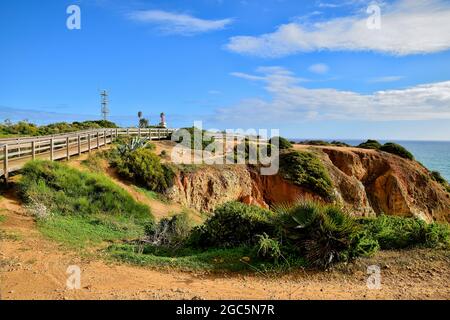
(323, 234)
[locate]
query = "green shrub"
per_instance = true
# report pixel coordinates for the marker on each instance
(324, 143)
(133, 144)
(323, 234)
(24, 128)
(436, 175)
(145, 168)
(233, 224)
(201, 143)
(251, 150)
(169, 232)
(66, 191)
(370, 144)
(268, 248)
(398, 233)
(397, 149)
(284, 144)
(306, 170)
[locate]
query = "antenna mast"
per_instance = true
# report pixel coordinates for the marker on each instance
(105, 101)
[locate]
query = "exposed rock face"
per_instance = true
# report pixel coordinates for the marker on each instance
(387, 184)
(367, 182)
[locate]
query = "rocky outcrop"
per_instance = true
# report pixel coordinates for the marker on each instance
(366, 182)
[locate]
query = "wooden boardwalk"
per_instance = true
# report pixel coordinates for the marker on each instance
(14, 153)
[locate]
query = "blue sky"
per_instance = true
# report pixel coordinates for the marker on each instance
(312, 69)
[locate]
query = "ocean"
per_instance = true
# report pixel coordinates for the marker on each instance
(435, 155)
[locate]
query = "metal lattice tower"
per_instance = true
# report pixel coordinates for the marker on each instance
(105, 101)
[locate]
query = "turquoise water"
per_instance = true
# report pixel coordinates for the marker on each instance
(435, 155)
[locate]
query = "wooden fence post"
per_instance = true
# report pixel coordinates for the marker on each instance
(33, 150)
(98, 140)
(79, 144)
(67, 148)
(89, 142)
(51, 149)
(5, 162)
(104, 138)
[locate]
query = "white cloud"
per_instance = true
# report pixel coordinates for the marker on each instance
(319, 68)
(407, 27)
(386, 79)
(292, 103)
(174, 23)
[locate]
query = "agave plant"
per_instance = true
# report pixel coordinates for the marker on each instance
(132, 145)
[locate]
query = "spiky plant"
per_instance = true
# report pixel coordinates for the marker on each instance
(321, 233)
(132, 145)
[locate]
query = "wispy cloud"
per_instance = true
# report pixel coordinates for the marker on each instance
(407, 27)
(291, 103)
(319, 68)
(175, 23)
(386, 79)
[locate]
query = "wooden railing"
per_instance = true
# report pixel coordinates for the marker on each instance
(14, 153)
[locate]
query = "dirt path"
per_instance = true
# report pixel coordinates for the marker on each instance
(33, 267)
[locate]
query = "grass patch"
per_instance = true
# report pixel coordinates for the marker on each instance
(219, 259)
(2, 218)
(95, 162)
(66, 191)
(84, 231)
(78, 208)
(152, 195)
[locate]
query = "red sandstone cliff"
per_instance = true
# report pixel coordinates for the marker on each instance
(366, 182)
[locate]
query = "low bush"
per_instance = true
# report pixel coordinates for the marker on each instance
(283, 143)
(187, 138)
(145, 168)
(249, 150)
(436, 176)
(370, 144)
(77, 208)
(398, 233)
(169, 232)
(268, 248)
(397, 149)
(323, 234)
(233, 224)
(306, 170)
(24, 128)
(67, 191)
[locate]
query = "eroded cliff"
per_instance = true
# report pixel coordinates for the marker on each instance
(366, 182)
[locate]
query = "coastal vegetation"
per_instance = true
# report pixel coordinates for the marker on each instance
(333, 143)
(307, 234)
(389, 147)
(306, 170)
(24, 128)
(79, 208)
(193, 138)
